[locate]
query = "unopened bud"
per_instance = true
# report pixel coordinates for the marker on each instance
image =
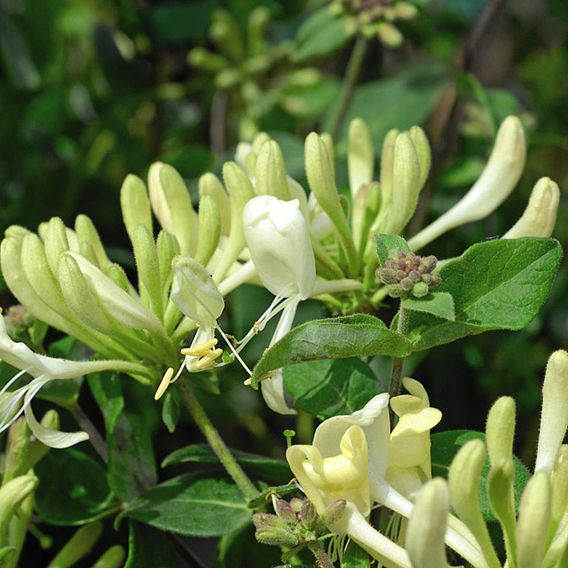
(12, 494)
(554, 416)
(559, 480)
(360, 155)
(112, 558)
(206, 60)
(500, 429)
(423, 152)
(87, 232)
(55, 242)
(389, 35)
(135, 205)
(271, 529)
(307, 515)
(210, 185)
(534, 521)
(271, 177)
(78, 546)
(539, 217)
(209, 229)
(405, 10)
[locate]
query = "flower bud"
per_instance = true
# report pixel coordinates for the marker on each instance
(389, 35)
(307, 514)
(534, 521)
(405, 10)
(78, 546)
(427, 526)
(496, 182)
(195, 293)
(123, 307)
(227, 79)
(210, 185)
(258, 21)
(422, 147)
(559, 480)
(172, 204)
(501, 498)
(206, 60)
(135, 205)
(166, 248)
(500, 429)
(148, 268)
(360, 155)
(278, 239)
(554, 416)
(271, 529)
(112, 558)
(209, 231)
(539, 218)
(87, 232)
(225, 32)
(12, 494)
(464, 480)
(55, 242)
(240, 192)
(270, 175)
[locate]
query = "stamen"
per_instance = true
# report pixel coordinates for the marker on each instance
(200, 350)
(205, 361)
(164, 383)
(12, 381)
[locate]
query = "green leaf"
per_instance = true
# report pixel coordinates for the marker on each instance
(439, 304)
(149, 548)
(192, 505)
(268, 469)
(132, 465)
(181, 21)
(107, 390)
(388, 246)
(499, 284)
(321, 34)
(171, 411)
(72, 488)
(331, 387)
(334, 338)
(282, 492)
(445, 445)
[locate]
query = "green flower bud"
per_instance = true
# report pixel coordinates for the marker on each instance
(307, 515)
(209, 229)
(405, 10)
(135, 205)
(17, 450)
(87, 232)
(210, 185)
(227, 79)
(559, 481)
(422, 147)
(360, 155)
(427, 526)
(420, 290)
(534, 521)
(304, 77)
(271, 529)
(500, 429)
(554, 416)
(12, 494)
(166, 247)
(148, 269)
(172, 205)
(78, 546)
(501, 498)
(258, 22)
(55, 242)
(389, 35)
(225, 32)
(464, 479)
(270, 175)
(117, 274)
(539, 218)
(206, 60)
(112, 558)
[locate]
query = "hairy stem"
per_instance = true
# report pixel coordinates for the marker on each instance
(215, 441)
(97, 441)
(349, 83)
(398, 362)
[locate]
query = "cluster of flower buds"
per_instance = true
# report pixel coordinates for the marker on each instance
(409, 274)
(245, 63)
(378, 17)
(296, 523)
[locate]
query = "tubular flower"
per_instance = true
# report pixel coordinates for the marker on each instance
(349, 460)
(43, 369)
(409, 465)
(278, 239)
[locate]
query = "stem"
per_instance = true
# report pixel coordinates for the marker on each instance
(215, 441)
(398, 362)
(351, 75)
(97, 441)
(322, 559)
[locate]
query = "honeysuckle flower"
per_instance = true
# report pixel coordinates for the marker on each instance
(278, 239)
(44, 369)
(496, 182)
(409, 464)
(350, 454)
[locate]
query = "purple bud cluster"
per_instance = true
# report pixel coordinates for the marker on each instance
(296, 522)
(409, 274)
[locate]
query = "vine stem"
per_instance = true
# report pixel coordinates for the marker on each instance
(214, 439)
(351, 76)
(398, 362)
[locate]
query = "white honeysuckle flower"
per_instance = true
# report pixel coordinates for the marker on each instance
(497, 181)
(43, 369)
(278, 239)
(351, 452)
